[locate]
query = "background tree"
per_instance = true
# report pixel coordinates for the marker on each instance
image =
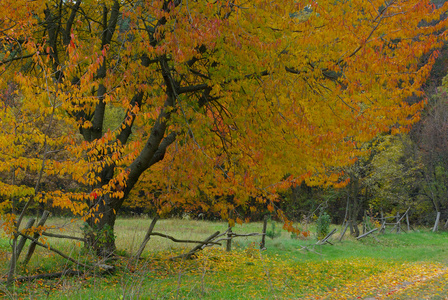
(432, 145)
(219, 100)
(396, 175)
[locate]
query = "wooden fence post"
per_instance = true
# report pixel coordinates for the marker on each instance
(407, 221)
(147, 238)
(364, 223)
(23, 239)
(436, 224)
(343, 232)
(200, 247)
(263, 237)
(16, 249)
(36, 236)
(229, 239)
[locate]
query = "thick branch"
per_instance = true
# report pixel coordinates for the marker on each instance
(52, 28)
(66, 37)
(192, 88)
(129, 119)
(22, 239)
(142, 162)
(160, 153)
(135, 102)
(154, 148)
(108, 31)
(110, 28)
(162, 21)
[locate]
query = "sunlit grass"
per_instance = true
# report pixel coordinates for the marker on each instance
(397, 266)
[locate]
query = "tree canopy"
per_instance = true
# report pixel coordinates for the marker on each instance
(211, 104)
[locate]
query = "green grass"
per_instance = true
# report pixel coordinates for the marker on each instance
(283, 271)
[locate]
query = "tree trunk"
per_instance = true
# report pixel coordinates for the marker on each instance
(354, 228)
(354, 207)
(100, 235)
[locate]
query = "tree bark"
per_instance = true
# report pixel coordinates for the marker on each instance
(100, 234)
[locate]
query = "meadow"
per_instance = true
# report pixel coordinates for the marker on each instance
(391, 266)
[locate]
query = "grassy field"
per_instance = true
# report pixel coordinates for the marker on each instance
(395, 266)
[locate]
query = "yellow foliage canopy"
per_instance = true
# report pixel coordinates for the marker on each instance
(221, 101)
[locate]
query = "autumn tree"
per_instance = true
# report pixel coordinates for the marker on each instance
(217, 100)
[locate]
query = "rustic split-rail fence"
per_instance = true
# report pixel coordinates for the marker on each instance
(398, 223)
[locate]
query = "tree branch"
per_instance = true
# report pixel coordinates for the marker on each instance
(192, 88)
(16, 58)
(154, 148)
(66, 36)
(129, 119)
(52, 41)
(108, 31)
(160, 153)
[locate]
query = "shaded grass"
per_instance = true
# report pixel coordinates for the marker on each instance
(283, 271)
